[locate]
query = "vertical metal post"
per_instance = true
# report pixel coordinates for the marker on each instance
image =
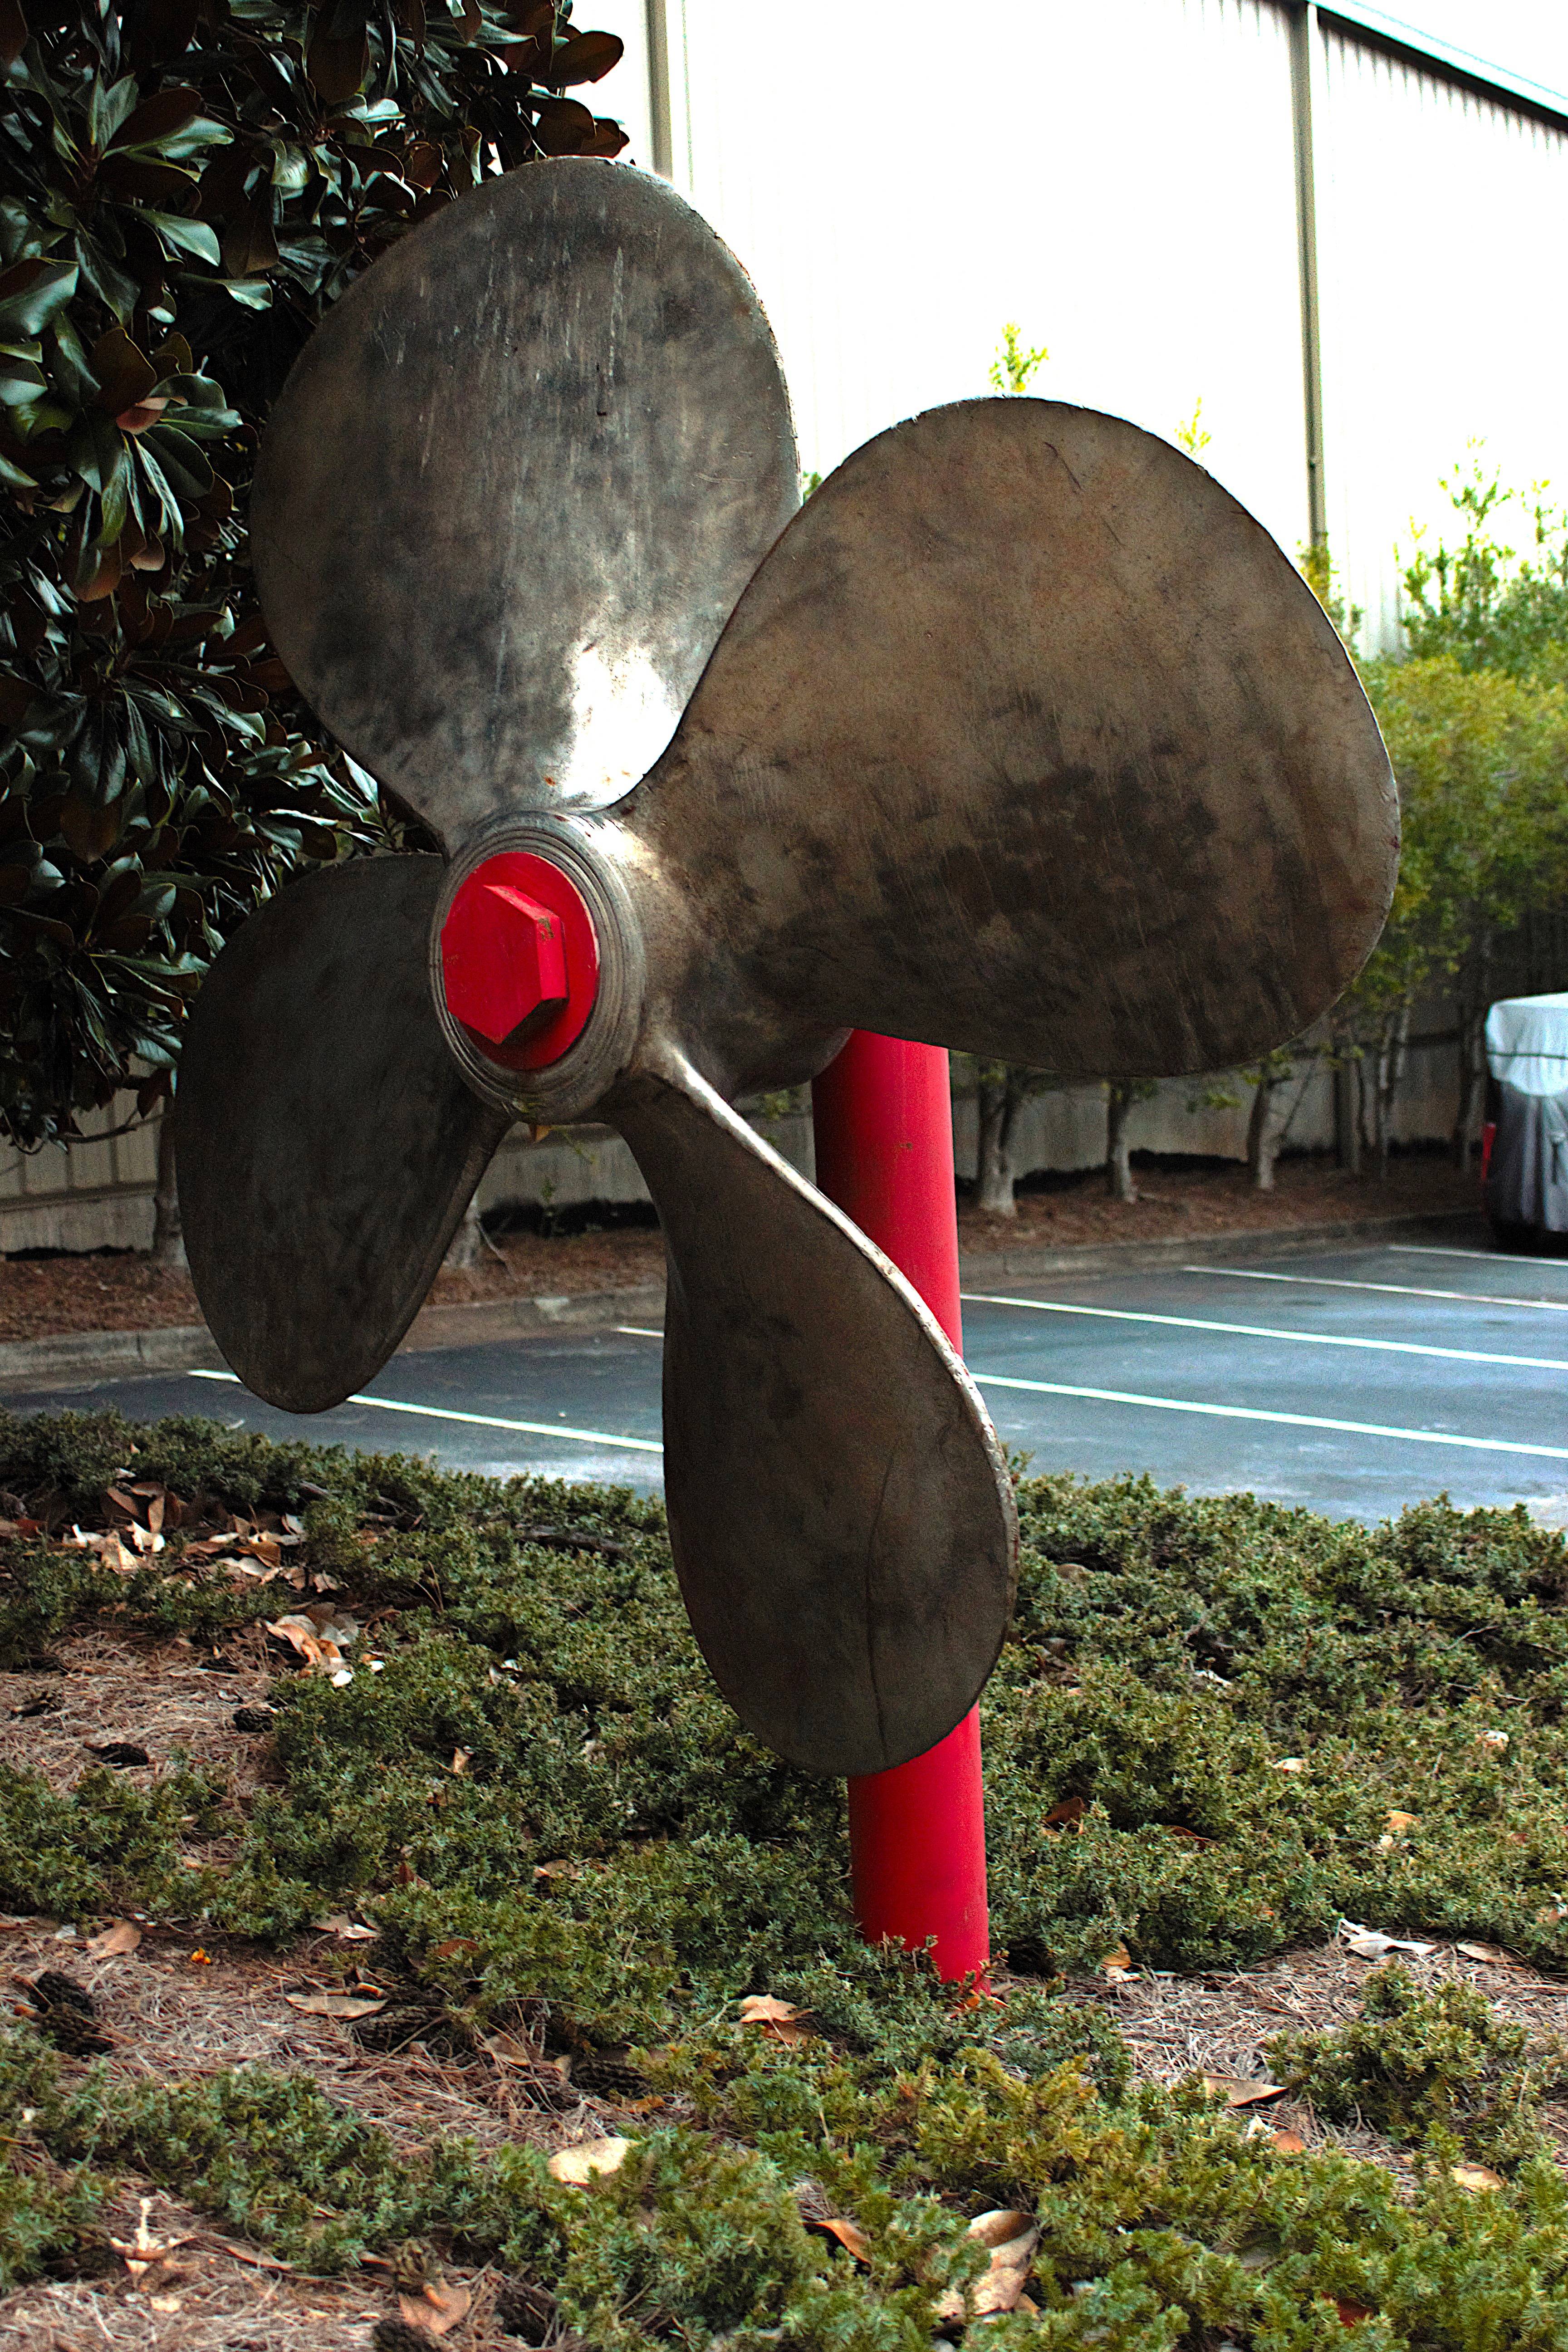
(1306, 52)
(661, 110)
(883, 1120)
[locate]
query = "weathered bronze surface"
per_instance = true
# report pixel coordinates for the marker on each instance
(1026, 739)
(513, 487)
(327, 1146)
(1023, 738)
(839, 1508)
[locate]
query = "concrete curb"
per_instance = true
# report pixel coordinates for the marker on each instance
(979, 1268)
(78, 1359)
(74, 1358)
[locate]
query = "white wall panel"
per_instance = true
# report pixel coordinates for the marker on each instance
(1442, 222)
(1118, 178)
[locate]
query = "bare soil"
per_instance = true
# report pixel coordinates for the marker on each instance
(183, 2005)
(122, 1291)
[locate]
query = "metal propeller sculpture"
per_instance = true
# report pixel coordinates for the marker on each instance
(1021, 737)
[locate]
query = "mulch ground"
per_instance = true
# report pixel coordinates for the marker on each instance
(182, 2006)
(121, 1291)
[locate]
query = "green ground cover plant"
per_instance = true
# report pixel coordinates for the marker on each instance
(1420, 2063)
(1218, 1726)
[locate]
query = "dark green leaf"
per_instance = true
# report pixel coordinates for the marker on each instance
(32, 293)
(180, 236)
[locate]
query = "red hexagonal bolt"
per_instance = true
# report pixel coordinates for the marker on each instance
(519, 960)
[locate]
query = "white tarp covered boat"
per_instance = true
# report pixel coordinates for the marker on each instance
(1527, 1054)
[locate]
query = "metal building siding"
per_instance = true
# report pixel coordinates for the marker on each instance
(1118, 179)
(1442, 222)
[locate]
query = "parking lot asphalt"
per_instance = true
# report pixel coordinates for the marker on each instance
(1352, 1382)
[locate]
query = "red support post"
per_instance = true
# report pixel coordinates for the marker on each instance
(883, 1116)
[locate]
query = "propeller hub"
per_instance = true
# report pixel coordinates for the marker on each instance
(519, 961)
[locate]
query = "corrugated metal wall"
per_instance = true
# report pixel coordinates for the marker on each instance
(1119, 180)
(1442, 222)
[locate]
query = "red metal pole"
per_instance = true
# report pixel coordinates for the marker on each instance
(883, 1116)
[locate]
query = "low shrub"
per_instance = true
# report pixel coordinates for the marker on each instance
(1217, 1725)
(1428, 2063)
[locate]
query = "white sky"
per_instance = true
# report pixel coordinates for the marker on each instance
(1527, 37)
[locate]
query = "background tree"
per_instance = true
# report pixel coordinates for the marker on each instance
(185, 186)
(1482, 759)
(1120, 1094)
(1481, 602)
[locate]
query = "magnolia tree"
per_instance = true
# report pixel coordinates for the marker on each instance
(184, 188)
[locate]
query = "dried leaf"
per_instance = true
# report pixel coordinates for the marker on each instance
(301, 1633)
(1283, 2142)
(1066, 1815)
(114, 1942)
(347, 1931)
(317, 1633)
(1351, 2313)
(589, 2160)
(779, 2018)
(453, 1945)
(853, 2238)
(1012, 2238)
(1117, 1964)
(461, 1758)
(1493, 1954)
(1289, 1764)
(144, 2252)
(207, 1547)
(1002, 2228)
(1401, 1825)
(1370, 1944)
(1496, 1740)
(1185, 1836)
(1236, 2091)
(979, 1996)
(1475, 2176)
(438, 2307)
(108, 1547)
(333, 2004)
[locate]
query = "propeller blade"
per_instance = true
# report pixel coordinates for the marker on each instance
(326, 1144)
(1026, 739)
(513, 487)
(840, 1512)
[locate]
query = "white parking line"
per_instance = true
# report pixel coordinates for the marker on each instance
(482, 1420)
(1436, 1249)
(1405, 1289)
(1263, 1332)
(1255, 1413)
(637, 1331)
